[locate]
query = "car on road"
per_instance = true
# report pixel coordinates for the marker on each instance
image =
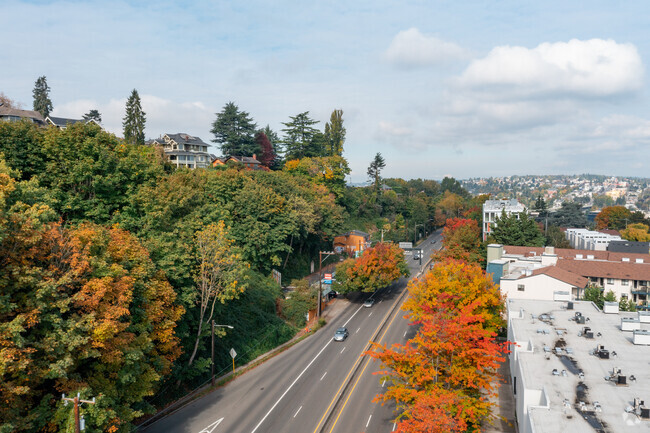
(416, 256)
(341, 334)
(369, 303)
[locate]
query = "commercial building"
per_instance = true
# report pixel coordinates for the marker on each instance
(562, 274)
(493, 209)
(575, 369)
(583, 239)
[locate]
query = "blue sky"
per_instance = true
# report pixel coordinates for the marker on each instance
(471, 88)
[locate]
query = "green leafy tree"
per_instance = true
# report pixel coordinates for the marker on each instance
(234, 132)
(555, 238)
(328, 171)
(22, 145)
(517, 230)
(335, 134)
(93, 115)
(134, 120)
(595, 295)
(299, 136)
(41, 92)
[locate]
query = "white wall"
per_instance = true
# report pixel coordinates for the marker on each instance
(537, 287)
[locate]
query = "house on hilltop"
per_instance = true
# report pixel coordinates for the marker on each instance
(184, 150)
(15, 115)
(250, 162)
(351, 242)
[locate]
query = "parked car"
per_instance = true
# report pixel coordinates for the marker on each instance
(369, 303)
(341, 334)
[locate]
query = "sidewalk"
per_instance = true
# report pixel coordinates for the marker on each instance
(505, 404)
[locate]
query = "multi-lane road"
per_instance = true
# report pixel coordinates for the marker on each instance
(318, 385)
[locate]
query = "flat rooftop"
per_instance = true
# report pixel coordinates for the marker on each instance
(558, 344)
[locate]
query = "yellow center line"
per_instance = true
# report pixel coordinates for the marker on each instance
(354, 366)
(361, 375)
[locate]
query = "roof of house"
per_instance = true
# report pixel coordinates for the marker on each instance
(183, 138)
(244, 159)
(569, 253)
(62, 122)
(356, 233)
(7, 111)
(563, 275)
(602, 269)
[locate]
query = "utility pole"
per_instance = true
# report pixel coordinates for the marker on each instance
(76, 401)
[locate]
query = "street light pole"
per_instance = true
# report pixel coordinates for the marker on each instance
(216, 326)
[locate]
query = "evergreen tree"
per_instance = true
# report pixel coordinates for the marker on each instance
(540, 206)
(569, 215)
(234, 132)
(335, 134)
(134, 120)
(41, 92)
(517, 230)
(374, 170)
(299, 137)
(94, 115)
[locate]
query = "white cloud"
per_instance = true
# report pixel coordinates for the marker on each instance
(591, 68)
(394, 130)
(410, 48)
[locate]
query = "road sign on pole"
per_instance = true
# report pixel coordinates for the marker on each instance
(404, 245)
(233, 354)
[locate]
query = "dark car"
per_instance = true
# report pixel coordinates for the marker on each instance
(341, 334)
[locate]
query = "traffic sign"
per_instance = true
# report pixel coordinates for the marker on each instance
(404, 245)
(233, 353)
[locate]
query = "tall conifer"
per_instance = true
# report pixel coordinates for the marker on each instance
(134, 120)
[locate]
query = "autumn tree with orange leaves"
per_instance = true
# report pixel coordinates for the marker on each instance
(376, 268)
(82, 309)
(461, 240)
(442, 378)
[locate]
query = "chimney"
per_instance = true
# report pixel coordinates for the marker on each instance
(494, 252)
(254, 156)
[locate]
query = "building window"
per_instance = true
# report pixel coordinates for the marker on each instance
(625, 282)
(520, 287)
(610, 281)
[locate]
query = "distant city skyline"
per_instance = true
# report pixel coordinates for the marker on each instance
(462, 89)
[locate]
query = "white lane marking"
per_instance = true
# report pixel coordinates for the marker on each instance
(380, 301)
(358, 330)
(355, 313)
(383, 383)
(370, 314)
(297, 411)
(405, 333)
(394, 426)
(368, 421)
(212, 426)
(342, 350)
(291, 386)
(322, 377)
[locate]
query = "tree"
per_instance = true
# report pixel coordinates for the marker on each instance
(636, 232)
(377, 267)
(329, 171)
(442, 378)
(299, 136)
(374, 171)
(267, 156)
(7, 102)
(555, 238)
(94, 115)
(41, 92)
(613, 217)
(461, 239)
(570, 214)
(595, 295)
(234, 132)
(134, 120)
(540, 206)
(219, 276)
(517, 230)
(335, 134)
(452, 185)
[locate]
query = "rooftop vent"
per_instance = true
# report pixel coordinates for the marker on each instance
(590, 257)
(639, 260)
(626, 259)
(579, 256)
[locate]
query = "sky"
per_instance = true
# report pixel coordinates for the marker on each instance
(439, 88)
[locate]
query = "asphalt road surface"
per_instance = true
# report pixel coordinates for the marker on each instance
(317, 385)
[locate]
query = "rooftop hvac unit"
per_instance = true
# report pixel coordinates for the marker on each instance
(602, 354)
(645, 412)
(580, 320)
(622, 380)
(590, 335)
(569, 306)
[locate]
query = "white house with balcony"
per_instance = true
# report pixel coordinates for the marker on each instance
(493, 209)
(184, 150)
